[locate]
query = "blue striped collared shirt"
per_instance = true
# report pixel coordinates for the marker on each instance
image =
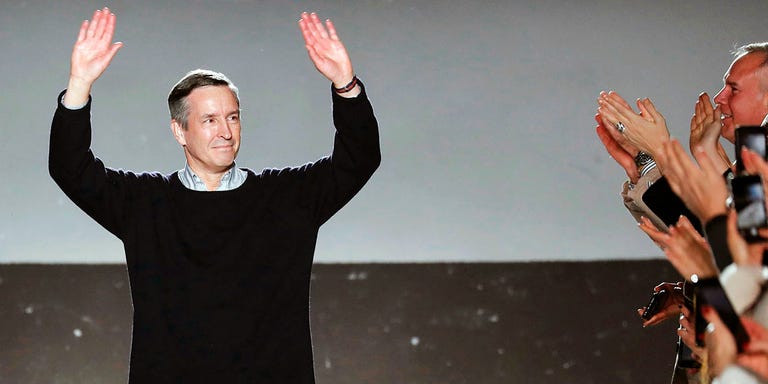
(232, 179)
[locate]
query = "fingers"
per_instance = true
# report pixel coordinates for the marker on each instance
(649, 110)
(711, 317)
(616, 109)
(93, 23)
(686, 228)
(83, 31)
(113, 50)
(110, 27)
(703, 113)
(686, 332)
(331, 29)
(101, 23)
(618, 153)
(717, 115)
(706, 105)
(654, 320)
(609, 127)
(305, 31)
(673, 169)
(644, 112)
(100, 27)
(754, 163)
(613, 147)
(706, 164)
(659, 237)
(616, 97)
(318, 25)
(312, 27)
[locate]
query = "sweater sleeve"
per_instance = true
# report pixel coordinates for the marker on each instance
(743, 284)
(716, 231)
(326, 185)
(81, 176)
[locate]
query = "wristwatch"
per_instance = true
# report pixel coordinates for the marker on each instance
(642, 159)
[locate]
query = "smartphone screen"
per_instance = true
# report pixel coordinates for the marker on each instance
(749, 199)
(752, 137)
(710, 292)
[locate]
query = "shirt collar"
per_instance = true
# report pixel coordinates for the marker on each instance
(232, 179)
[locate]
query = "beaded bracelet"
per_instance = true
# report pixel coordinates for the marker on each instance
(347, 87)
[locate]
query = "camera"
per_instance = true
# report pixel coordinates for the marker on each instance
(710, 292)
(749, 201)
(658, 299)
(754, 138)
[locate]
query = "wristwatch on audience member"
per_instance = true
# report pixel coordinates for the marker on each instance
(644, 162)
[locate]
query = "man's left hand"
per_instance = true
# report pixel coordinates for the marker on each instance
(327, 52)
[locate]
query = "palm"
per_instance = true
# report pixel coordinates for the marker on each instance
(326, 50)
(94, 50)
(705, 123)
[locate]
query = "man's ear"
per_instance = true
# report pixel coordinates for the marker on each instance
(178, 132)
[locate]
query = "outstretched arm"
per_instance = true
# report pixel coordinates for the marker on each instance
(327, 53)
(91, 55)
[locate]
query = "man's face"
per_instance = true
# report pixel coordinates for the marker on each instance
(212, 137)
(743, 99)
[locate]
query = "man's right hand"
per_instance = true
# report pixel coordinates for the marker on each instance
(91, 55)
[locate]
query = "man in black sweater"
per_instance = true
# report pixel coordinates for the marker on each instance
(219, 257)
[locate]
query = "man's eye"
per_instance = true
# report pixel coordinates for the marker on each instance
(234, 118)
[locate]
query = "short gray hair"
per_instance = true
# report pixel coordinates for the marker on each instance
(177, 98)
(746, 49)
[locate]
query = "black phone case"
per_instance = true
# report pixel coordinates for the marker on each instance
(710, 292)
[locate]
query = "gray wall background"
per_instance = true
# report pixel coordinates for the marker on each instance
(485, 111)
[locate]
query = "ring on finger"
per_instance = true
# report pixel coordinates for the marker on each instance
(620, 127)
(710, 328)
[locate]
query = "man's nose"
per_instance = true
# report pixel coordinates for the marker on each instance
(720, 97)
(225, 131)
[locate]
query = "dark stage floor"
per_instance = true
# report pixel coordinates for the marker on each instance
(375, 323)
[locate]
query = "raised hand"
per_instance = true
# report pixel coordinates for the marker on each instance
(325, 50)
(702, 189)
(705, 132)
(669, 308)
(646, 130)
(686, 250)
(91, 55)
